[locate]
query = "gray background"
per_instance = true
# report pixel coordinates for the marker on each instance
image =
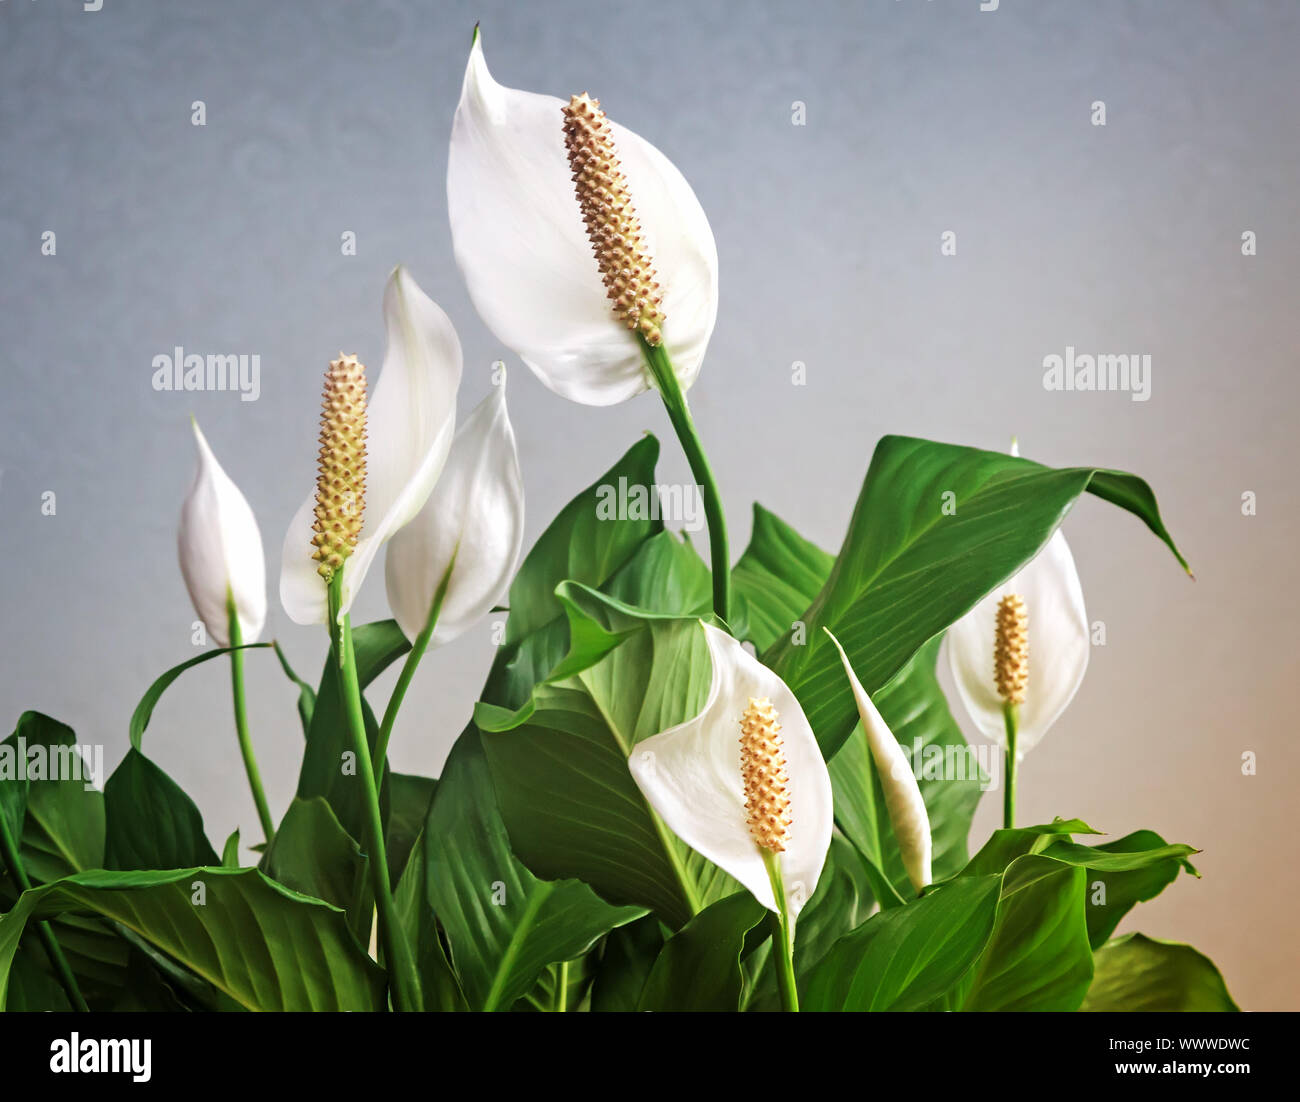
(921, 117)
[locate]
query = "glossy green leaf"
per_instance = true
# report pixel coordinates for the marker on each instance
(777, 578)
(560, 762)
(262, 945)
(312, 854)
(150, 823)
(935, 528)
(699, 966)
(504, 925)
(625, 961)
(908, 957)
(409, 798)
(438, 983)
(230, 851)
(1038, 957)
(144, 710)
(1138, 973)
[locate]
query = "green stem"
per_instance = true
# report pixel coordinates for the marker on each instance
(679, 413)
(782, 935)
(13, 861)
(1011, 719)
(241, 723)
(403, 980)
(413, 657)
(562, 995)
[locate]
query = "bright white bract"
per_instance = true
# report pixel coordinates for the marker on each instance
(220, 550)
(476, 515)
(410, 422)
(691, 776)
(1059, 645)
(903, 801)
(521, 245)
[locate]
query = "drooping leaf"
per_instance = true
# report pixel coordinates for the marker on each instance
(1138, 973)
(935, 528)
(262, 945)
(144, 710)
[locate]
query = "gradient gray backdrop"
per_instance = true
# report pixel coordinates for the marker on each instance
(921, 117)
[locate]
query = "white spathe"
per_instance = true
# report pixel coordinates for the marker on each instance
(1059, 646)
(523, 250)
(690, 775)
(903, 800)
(220, 551)
(476, 514)
(410, 423)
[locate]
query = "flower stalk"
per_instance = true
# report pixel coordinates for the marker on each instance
(241, 723)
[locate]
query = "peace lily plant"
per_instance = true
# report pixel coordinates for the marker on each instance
(685, 785)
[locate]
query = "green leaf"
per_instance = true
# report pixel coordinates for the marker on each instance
(908, 957)
(230, 851)
(150, 823)
(625, 961)
(1138, 973)
(1004, 845)
(306, 694)
(560, 762)
(409, 798)
(260, 944)
(377, 646)
(1038, 957)
(438, 983)
(915, 708)
(699, 967)
(581, 544)
(144, 710)
(777, 577)
(312, 854)
(935, 528)
(504, 925)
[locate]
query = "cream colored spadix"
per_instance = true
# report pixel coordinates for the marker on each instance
(410, 422)
(534, 269)
(903, 801)
(694, 776)
(220, 551)
(1052, 638)
(475, 516)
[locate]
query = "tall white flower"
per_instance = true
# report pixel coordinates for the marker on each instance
(903, 801)
(1027, 644)
(745, 779)
(535, 186)
(220, 550)
(472, 524)
(409, 422)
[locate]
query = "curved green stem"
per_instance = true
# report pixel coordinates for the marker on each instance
(413, 657)
(782, 935)
(1011, 719)
(13, 861)
(403, 980)
(562, 988)
(241, 723)
(679, 413)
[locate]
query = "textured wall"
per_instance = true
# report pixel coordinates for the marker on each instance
(922, 117)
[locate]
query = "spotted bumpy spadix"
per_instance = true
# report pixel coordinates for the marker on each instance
(341, 466)
(1011, 649)
(611, 221)
(762, 768)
